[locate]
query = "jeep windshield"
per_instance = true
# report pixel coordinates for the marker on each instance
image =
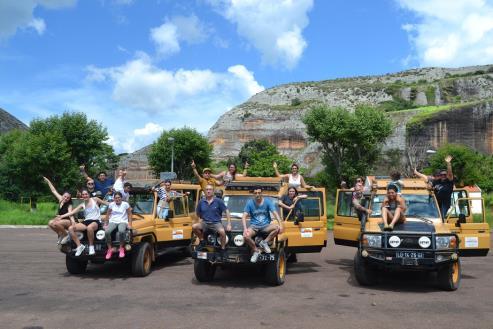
(142, 203)
(236, 204)
(418, 206)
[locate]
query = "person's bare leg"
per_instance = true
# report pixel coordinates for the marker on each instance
(222, 237)
(197, 229)
(273, 230)
(90, 233)
(73, 229)
(248, 239)
(384, 217)
(397, 215)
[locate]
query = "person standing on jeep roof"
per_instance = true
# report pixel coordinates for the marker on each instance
(210, 212)
(259, 210)
(102, 183)
(206, 179)
(444, 187)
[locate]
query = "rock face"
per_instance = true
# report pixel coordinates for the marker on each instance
(137, 164)
(276, 114)
(9, 122)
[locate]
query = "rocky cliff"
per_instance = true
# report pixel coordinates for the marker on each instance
(460, 111)
(9, 122)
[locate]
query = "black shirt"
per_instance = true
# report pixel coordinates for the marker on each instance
(288, 202)
(443, 189)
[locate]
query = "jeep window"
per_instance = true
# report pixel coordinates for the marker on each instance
(345, 205)
(142, 203)
(178, 207)
(192, 200)
(236, 204)
(459, 207)
(418, 205)
(310, 208)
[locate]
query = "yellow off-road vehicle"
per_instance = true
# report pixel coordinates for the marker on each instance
(425, 242)
(150, 236)
(309, 235)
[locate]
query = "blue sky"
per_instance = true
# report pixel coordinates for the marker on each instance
(143, 66)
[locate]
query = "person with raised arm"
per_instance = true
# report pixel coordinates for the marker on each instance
(60, 226)
(206, 179)
(230, 174)
(294, 178)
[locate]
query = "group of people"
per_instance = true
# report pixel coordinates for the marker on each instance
(211, 208)
(394, 205)
(100, 192)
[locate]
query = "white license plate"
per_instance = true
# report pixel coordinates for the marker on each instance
(267, 257)
(409, 254)
(201, 255)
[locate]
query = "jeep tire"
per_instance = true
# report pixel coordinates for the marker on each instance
(204, 270)
(275, 272)
(449, 276)
(364, 274)
(74, 265)
(142, 259)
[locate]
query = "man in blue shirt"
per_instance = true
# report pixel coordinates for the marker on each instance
(259, 210)
(103, 183)
(210, 212)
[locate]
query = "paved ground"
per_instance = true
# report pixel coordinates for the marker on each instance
(320, 292)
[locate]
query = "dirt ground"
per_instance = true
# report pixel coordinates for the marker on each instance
(320, 292)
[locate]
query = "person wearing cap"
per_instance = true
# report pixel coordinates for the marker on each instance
(206, 178)
(443, 187)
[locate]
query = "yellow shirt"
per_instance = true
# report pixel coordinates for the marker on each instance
(204, 182)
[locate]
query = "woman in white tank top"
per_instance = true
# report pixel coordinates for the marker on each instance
(92, 218)
(294, 178)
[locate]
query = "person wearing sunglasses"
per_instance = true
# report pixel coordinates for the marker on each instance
(443, 187)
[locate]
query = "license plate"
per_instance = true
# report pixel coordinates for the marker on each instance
(201, 255)
(409, 254)
(267, 257)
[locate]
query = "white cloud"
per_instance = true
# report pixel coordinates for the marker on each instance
(165, 37)
(451, 33)
(38, 24)
(272, 27)
(19, 14)
(189, 29)
(150, 128)
(141, 85)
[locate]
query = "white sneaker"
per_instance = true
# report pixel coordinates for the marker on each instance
(255, 255)
(65, 239)
(79, 250)
(264, 245)
(91, 250)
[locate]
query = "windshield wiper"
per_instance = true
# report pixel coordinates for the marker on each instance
(424, 219)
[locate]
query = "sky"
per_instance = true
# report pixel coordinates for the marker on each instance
(143, 66)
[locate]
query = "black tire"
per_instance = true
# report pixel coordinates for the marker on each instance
(365, 275)
(187, 251)
(292, 258)
(275, 272)
(142, 259)
(204, 270)
(449, 276)
(75, 266)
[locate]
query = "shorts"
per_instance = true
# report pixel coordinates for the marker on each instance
(259, 229)
(213, 226)
(90, 221)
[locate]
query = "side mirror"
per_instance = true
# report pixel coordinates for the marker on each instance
(462, 219)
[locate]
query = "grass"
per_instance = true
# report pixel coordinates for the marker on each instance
(12, 213)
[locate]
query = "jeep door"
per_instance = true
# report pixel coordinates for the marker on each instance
(472, 229)
(180, 222)
(310, 234)
(347, 227)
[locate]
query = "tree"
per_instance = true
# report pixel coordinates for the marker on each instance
(50, 148)
(469, 167)
(188, 145)
(351, 142)
(260, 154)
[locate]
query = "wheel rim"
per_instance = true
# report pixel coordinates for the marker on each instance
(282, 266)
(455, 272)
(147, 260)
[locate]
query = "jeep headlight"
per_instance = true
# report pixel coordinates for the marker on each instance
(445, 242)
(100, 235)
(372, 240)
(218, 239)
(239, 240)
(210, 239)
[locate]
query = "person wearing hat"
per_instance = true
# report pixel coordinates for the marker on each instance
(206, 178)
(443, 187)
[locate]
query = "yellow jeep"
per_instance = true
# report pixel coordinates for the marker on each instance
(150, 236)
(309, 235)
(424, 242)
